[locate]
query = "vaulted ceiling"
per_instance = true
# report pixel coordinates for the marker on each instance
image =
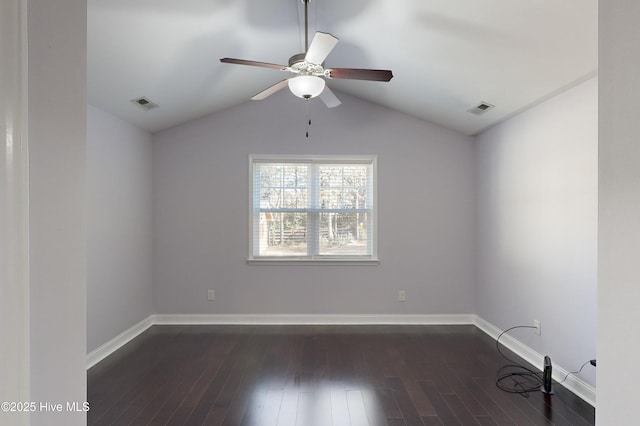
(446, 56)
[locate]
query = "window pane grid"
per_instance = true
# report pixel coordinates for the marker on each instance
(312, 209)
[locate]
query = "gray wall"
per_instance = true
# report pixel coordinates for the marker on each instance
(537, 193)
(426, 213)
(57, 220)
(119, 287)
(528, 251)
(619, 214)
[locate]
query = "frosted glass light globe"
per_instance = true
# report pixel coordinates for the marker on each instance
(306, 86)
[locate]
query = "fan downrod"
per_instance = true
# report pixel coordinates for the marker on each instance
(306, 24)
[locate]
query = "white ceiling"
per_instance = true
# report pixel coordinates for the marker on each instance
(446, 56)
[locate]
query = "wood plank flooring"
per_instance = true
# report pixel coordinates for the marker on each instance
(316, 375)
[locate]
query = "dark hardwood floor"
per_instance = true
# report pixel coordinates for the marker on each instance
(316, 375)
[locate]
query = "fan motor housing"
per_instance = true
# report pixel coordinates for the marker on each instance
(298, 65)
(296, 59)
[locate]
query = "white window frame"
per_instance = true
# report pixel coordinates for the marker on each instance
(316, 259)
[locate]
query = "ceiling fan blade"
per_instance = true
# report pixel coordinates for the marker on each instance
(320, 47)
(360, 74)
(270, 90)
(329, 98)
(253, 63)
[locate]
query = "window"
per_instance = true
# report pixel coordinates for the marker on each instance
(313, 209)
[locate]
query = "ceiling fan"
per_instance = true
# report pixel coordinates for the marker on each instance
(308, 69)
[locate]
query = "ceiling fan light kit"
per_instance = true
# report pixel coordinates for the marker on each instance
(306, 86)
(308, 69)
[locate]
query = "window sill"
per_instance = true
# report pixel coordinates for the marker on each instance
(327, 261)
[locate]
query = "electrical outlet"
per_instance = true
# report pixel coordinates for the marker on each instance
(402, 296)
(536, 324)
(211, 295)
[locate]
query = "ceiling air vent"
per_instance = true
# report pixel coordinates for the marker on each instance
(481, 108)
(144, 103)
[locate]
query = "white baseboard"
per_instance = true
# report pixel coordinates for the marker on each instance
(579, 387)
(303, 319)
(573, 383)
(117, 342)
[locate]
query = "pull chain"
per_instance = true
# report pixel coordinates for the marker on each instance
(308, 117)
